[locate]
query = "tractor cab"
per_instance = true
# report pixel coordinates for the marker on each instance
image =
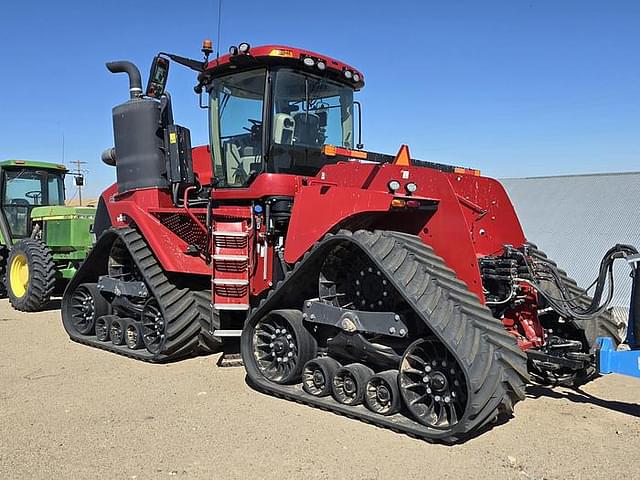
(273, 109)
(26, 185)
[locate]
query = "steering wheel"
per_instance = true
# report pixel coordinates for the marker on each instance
(34, 195)
(255, 130)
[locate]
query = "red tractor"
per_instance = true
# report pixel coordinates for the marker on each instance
(382, 287)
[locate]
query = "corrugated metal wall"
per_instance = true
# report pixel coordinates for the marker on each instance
(576, 219)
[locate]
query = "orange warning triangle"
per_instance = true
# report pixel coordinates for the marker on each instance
(403, 158)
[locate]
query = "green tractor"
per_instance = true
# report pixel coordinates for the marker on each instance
(42, 241)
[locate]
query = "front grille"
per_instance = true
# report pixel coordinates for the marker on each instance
(183, 226)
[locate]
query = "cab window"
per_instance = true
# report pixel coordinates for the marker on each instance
(236, 105)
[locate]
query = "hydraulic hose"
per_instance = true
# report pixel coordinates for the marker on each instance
(566, 304)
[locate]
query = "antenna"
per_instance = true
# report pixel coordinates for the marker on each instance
(219, 22)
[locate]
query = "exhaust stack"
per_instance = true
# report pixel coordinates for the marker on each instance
(135, 79)
(138, 134)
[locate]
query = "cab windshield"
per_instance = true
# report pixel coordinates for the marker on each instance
(308, 112)
(304, 113)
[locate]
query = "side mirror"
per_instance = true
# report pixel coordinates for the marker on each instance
(158, 77)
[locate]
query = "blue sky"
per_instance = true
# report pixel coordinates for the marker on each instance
(511, 87)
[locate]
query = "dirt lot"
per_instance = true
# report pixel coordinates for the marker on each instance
(69, 411)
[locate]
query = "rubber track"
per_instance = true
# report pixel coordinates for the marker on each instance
(494, 366)
(602, 326)
(42, 276)
(182, 308)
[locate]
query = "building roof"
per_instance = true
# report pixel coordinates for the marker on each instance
(575, 219)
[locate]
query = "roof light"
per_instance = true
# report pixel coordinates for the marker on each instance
(281, 52)
(394, 185)
(321, 65)
(398, 203)
(207, 46)
(411, 187)
(244, 47)
(356, 77)
(413, 203)
(348, 74)
(233, 50)
(308, 61)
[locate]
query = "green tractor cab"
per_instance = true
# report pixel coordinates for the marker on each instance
(42, 241)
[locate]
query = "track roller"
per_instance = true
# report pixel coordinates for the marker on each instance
(381, 394)
(134, 335)
(117, 331)
(280, 345)
(318, 374)
(349, 382)
(103, 327)
(87, 306)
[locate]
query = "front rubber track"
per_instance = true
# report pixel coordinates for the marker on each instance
(182, 307)
(494, 366)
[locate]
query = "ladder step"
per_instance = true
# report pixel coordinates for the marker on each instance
(230, 281)
(227, 333)
(231, 258)
(220, 233)
(231, 306)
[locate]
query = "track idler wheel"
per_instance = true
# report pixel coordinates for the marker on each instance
(117, 331)
(87, 305)
(134, 335)
(279, 345)
(349, 383)
(432, 384)
(103, 327)
(153, 327)
(382, 395)
(317, 376)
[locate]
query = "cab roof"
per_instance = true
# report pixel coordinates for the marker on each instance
(286, 56)
(33, 164)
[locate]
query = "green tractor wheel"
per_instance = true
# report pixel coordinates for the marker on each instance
(30, 275)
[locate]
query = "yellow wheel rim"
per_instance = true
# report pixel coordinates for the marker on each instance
(19, 275)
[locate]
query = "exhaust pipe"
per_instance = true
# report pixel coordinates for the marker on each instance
(135, 80)
(109, 156)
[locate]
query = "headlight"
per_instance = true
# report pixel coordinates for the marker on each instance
(356, 77)
(411, 187)
(321, 65)
(309, 62)
(394, 185)
(244, 47)
(348, 74)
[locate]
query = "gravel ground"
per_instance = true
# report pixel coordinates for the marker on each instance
(70, 411)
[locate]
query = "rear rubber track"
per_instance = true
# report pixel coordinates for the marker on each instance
(184, 310)
(494, 366)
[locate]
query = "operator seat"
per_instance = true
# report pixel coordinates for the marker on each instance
(241, 163)
(307, 129)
